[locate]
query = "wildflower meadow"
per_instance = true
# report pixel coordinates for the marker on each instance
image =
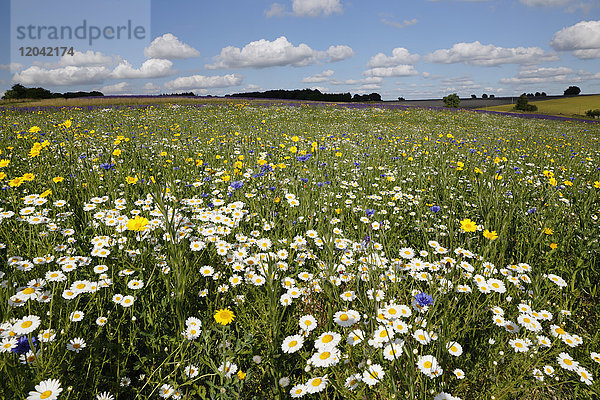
(270, 251)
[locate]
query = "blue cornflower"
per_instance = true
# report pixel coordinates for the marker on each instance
(236, 185)
(423, 299)
(370, 212)
(107, 166)
(23, 345)
(435, 209)
(532, 210)
(304, 158)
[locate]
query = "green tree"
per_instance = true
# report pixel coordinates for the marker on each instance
(523, 104)
(452, 100)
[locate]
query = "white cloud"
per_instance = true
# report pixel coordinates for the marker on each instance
(118, 88)
(399, 25)
(369, 86)
(582, 38)
(88, 59)
(251, 88)
(279, 52)
(13, 66)
(317, 78)
(169, 47)
(153, 68)
(385, 72)
(151, 88)
(276, 10)
(530, 76)
(314, 8)
(204, 82)
(489, 55)
(339, 53)
(365, 81)
(65, 76)
(399, 56)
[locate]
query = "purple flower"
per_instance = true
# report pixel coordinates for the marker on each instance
(370, 212)
(423, 299)
(435, 209)
(107, 166)
(236, 185)
(23, 345)
(532, 210)
(304, 158)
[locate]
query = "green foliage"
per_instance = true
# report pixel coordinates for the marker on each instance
(523, 104)
(452, 101)
(572, 91)
(19, 91)
(593, 113)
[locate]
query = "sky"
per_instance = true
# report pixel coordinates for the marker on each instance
(416, 49)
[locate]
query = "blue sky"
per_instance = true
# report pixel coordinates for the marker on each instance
(415, 49)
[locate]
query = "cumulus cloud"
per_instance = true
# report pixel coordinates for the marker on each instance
(279, 52)
(385, 72)
(399, 25)
(276, 10)
(321, 77)
(339, 53)
(583, 39)
(314, 8)
(118, 88)
(153, 68)
(534, 75)
(489, 55)
(88, 59)
(399, 56)
(150, 88)
(204, 82)
(169, 47)
(65, 76)
(372, 80)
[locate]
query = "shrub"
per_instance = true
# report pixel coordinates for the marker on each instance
(593, 113)
(452, 100)
(572, 91)
(523, 104)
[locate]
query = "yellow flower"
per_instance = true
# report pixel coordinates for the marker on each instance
(478, 171)
(490, 235)
(137, 224)
(568, 183)
(553, 246)
(295, 139)
(57, 179)
(241, 375)
(468, 226)
(497, 160)
(293, 149)
(597, 184)
(226, 178)
(276, 199)
(553, 181)
(224, 316)
(116, 152)
(46, 193)
(2, 175)
(498, 177)
(67, 123)
(16, 182)
(548, 231)
(131, 180)
(28, 177)
(34, 129)
(4, 163)
(460, 165)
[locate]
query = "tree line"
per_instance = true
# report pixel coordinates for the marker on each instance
(19, 91)
(308, 94)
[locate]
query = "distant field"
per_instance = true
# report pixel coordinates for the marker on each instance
(568, 106)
